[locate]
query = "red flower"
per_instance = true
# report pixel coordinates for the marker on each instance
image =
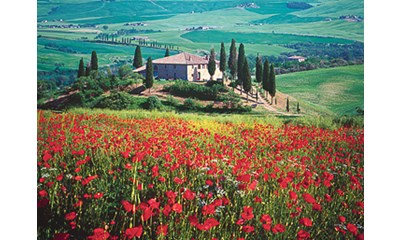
(193, 220)
(302, 235)
(209, 182)
(342, 219)
(128, 206)
(162, 229)
(328, 198)
(47, 157)
(265, 218)
(316, 207)
(147, 213)
(253, 185)
(178, 180)
(352, 228)
(167, 210)
(177, 208)
(61, 236)
(267, 227)
(134, 232)
(247, 213)
(308, 198)
(292, 195)
(43, 193)
(70, 216)
(98, 195)
(306, 222)
(189, 195)
(360, 236)
(278, 228)
(43, 203)
(99, 234)
(248, 229)
(257, 199)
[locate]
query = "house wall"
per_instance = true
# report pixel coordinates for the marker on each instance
(170, 71)
(203, 71)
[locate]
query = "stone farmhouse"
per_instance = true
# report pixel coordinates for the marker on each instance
(183, 66)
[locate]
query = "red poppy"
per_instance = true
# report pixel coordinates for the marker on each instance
(177, 208)
(305, 222)
(352, 228)
(248, 229)
(134, 232)
(98, 195)
(61, 236)
(193, 220)
(247, 213)
(278, 228)
(292, 195)
(70, 216)
(99, 234)
(308, 198)
(267, 227)
(342, 219)
(162, 229)
(147, 213)
(167, 210)
(302, 235)
(189, 195)
(43, 193)
(265, 218)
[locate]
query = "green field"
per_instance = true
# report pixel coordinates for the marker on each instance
(66, 54)
(336, 90)
(260, 38)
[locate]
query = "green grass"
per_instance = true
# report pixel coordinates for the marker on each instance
(50, 57)
(287, 18)
(339, 90)
(257, 37)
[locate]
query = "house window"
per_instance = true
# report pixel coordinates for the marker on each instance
(199, 66)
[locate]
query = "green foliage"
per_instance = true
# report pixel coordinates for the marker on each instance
(137, 59)
(149, 74)
(211, 63)
(230, 100)
(186, 89)
(272, 84)
(81, 70)
(240, 64)
(298, 107)
(125, 71)
(94, 62)
(114, 101)
(166, 53)
(259, 69)
(172, 101)
(191, 104)
(153, 102)
(45, 89)
(265, 78)
(232, 61)
(246, 76)
(287, 105)
(222, 58)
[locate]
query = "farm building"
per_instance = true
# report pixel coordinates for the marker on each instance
(183, 66)
(297, 58)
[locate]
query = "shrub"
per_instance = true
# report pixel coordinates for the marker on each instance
(202, 92)
(172, 101)
(191, 104)
(115, 101)
(152, 103)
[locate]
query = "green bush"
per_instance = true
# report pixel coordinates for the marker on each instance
(191, 104)
(152, 103)
(114, 101)
(203, 92)
(172, 101)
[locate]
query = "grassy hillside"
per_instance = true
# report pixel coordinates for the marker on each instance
(338, 90)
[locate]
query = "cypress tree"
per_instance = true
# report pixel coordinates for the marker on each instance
(81, 71)
(259, 70)
(298, 107)
(246, 77)
(287, 105)
(232, 61)
(149, 74)
(166, 53)
(137, 59)
(87, 72)
(222, 61)
(93, 62)
(211, 64)
(271, 85)
(265, 79)
(240, 64)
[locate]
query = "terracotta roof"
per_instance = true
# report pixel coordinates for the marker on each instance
(182, 58)
(140, 69)
(296, 57)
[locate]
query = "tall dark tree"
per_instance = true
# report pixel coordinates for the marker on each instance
(87, 71)
(232, 61)
(148, 82)
(246, 77)
(93, 62)
(166, 53)
(287, 105)
(137, 59)
(259, 70)
(81, 71)
(265, 79)
(211, 64)
(222, 61)
(240, 64)
(272, 85)
(298, 107)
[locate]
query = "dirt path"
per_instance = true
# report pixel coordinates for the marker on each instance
(155, 4)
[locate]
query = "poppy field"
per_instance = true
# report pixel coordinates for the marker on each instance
(102, 176)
